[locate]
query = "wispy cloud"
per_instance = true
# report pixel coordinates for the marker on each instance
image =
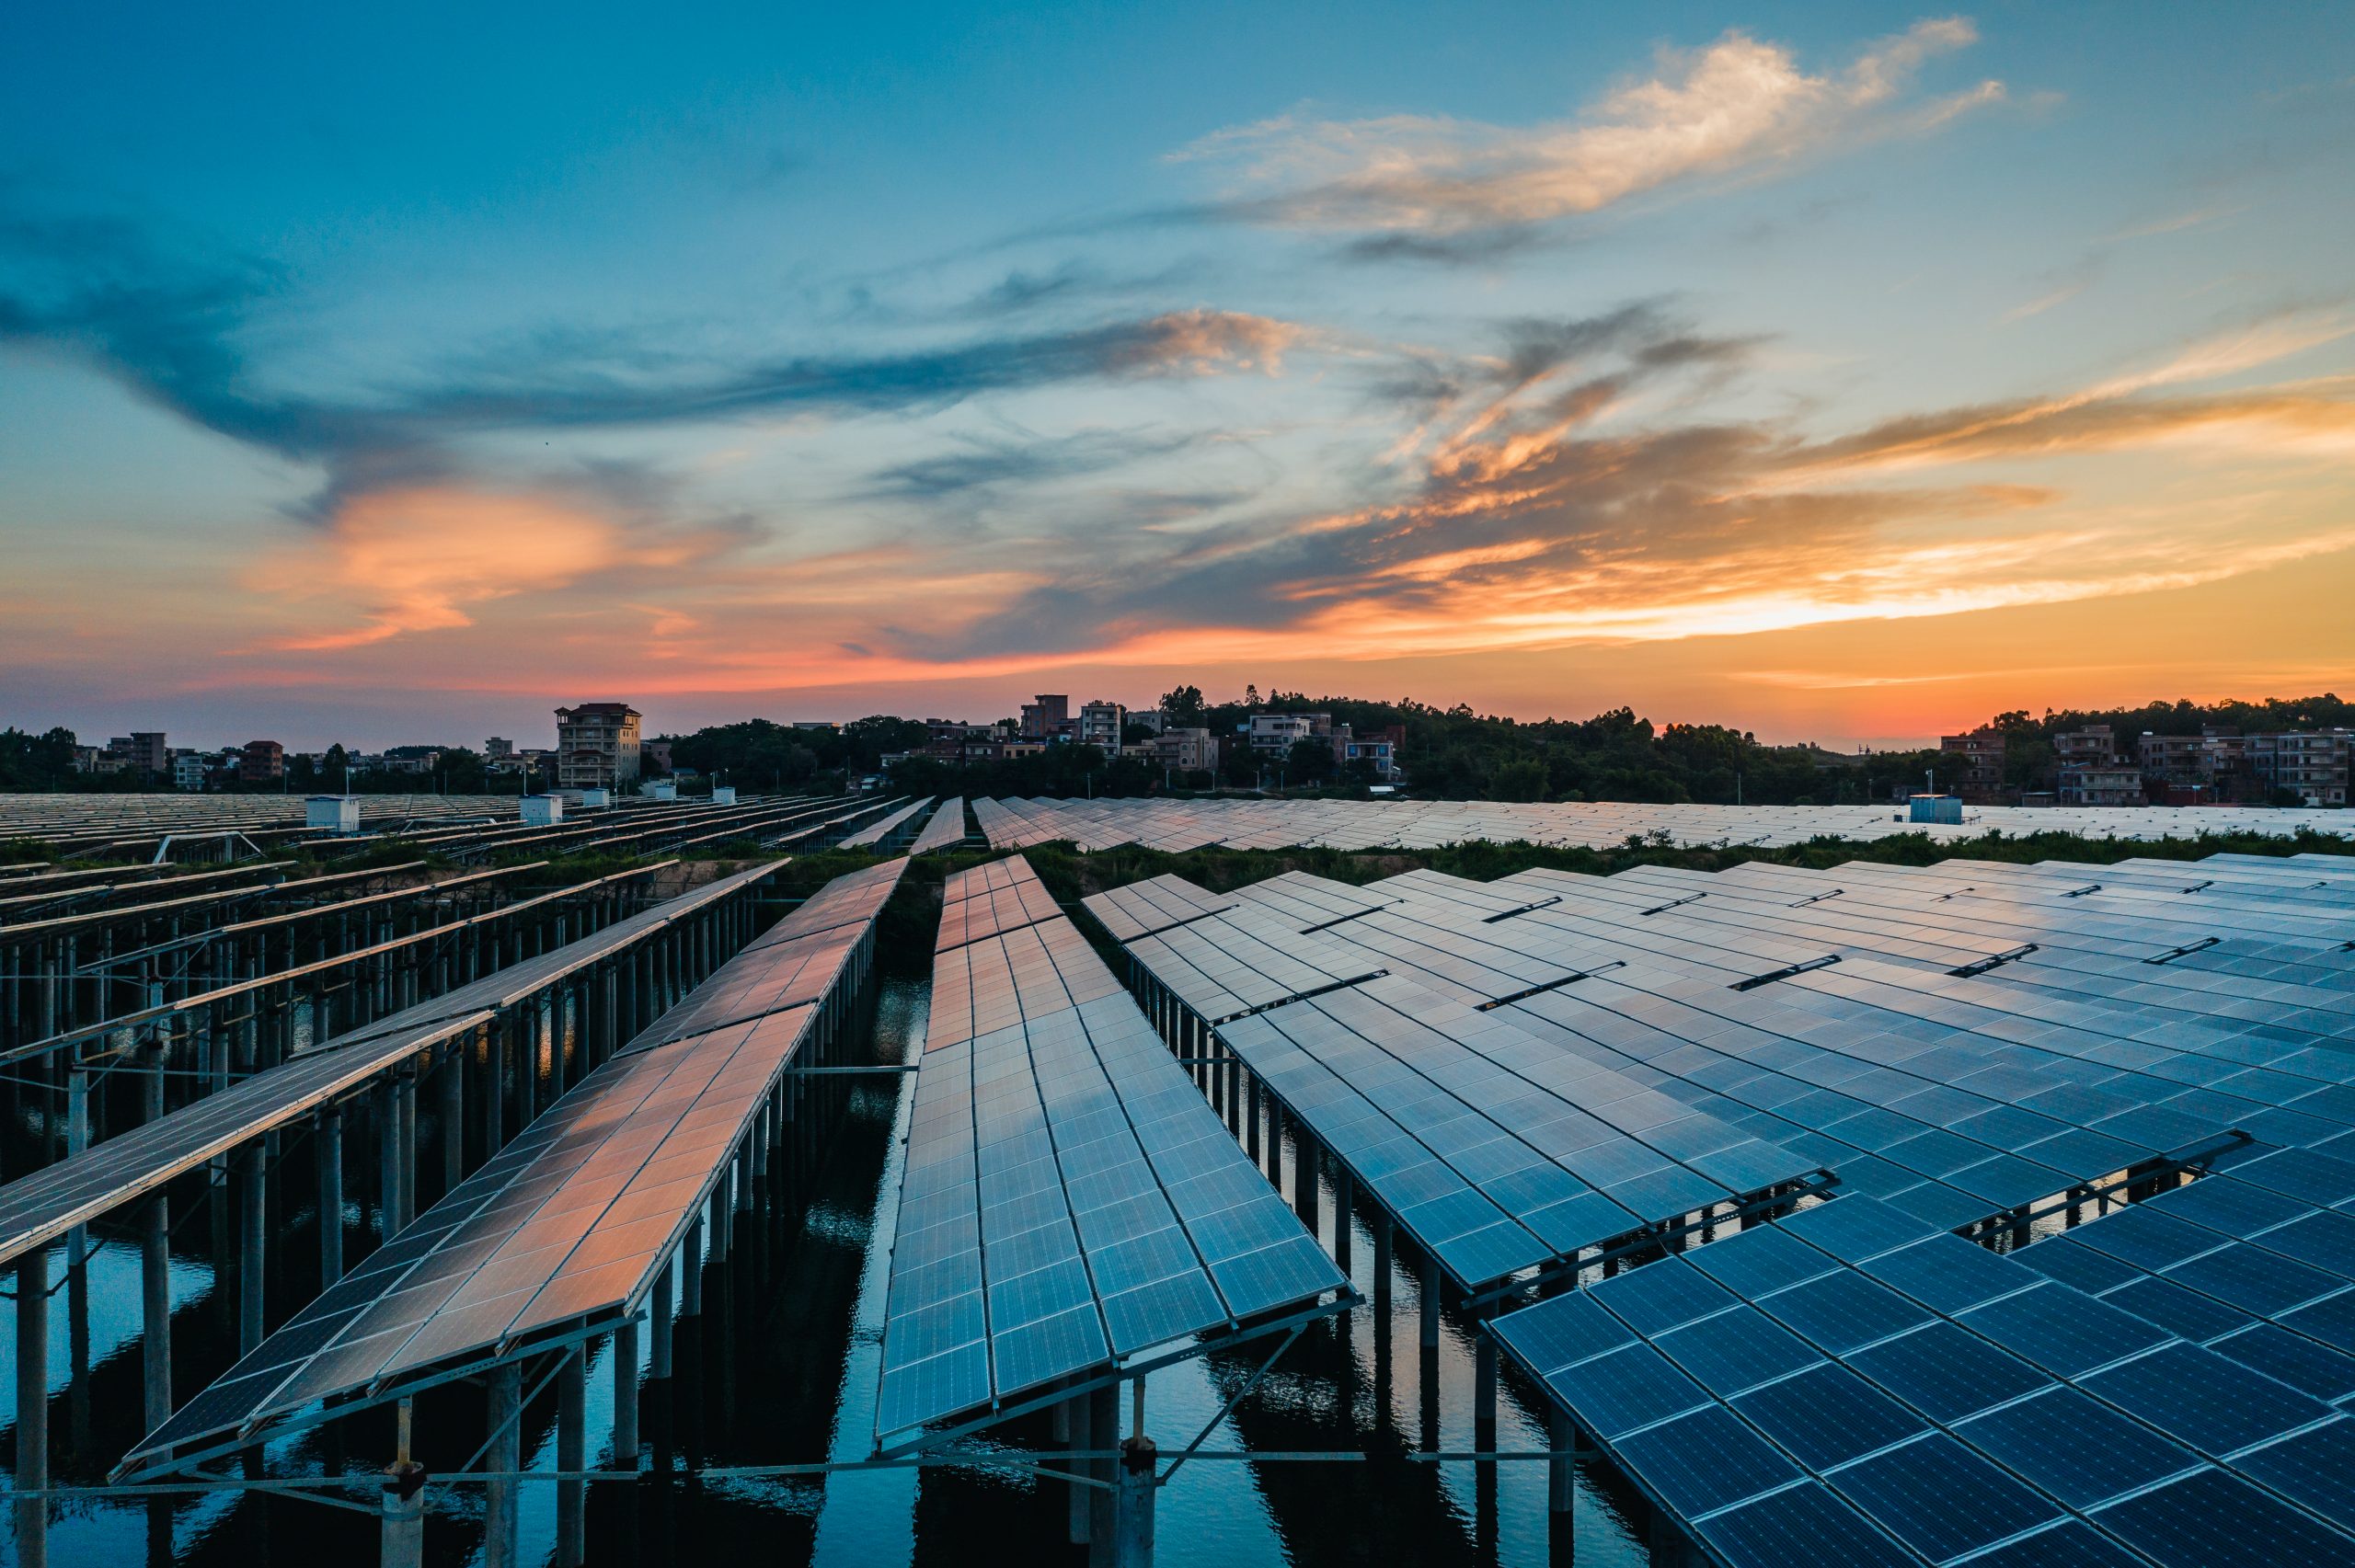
(1738, 105)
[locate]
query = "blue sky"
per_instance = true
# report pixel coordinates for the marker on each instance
(1843, 373)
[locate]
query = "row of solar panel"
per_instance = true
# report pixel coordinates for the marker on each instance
(1910, 1395)
(1069, 1201)
(569, 1222)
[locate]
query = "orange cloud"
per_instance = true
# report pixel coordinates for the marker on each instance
(422, 559)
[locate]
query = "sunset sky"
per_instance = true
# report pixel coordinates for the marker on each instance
(1842, 372)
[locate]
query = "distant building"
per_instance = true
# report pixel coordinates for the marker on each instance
(1047, 717)
(2103, 784)
(1378, 749)
(657, 753)
(1274, 735)
(2093, 746)
(1187, 750)
(189, 771)
(1974, 763)
(596, 746)
(2311, 763)
(498, 749)
(1099, 725)
(261, 762)
(1153, 719)
(142, 749)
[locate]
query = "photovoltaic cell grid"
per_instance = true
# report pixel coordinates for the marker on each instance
(1496, 1152)
(874, 832)
(1912, 1397)
(853, 900)
(1157, 904)
(945, 832)
(974, 905)
(1947, 1093)
(1069, 1201)
(568, 1224)
(38, 1207)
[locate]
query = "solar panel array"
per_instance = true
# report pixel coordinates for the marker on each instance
(1847, 1386)
(1069, 1203)
(40, 1206)
(1178, 824)
(1496, 1151)
(2164, 1383)
(945, 832)
(875, 831)
(571, 1221)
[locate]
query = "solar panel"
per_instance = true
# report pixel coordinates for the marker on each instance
(569, 1222)
(1069, 1201)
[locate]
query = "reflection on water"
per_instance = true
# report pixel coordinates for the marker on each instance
(781, 1369)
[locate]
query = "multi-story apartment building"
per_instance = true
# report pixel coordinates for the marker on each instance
(1047, 716)
(188, 769)
(596, 746)
(1187, 750)
(498, 749)
(655, 756)
(143, 749)
(1099, 725)
(1974, 763)
(1274, 735)
(2104, 784)
(1378, 749)
(2093, 746)
(2312, 764)
(261, 762)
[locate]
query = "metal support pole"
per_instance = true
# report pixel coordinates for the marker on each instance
(32, 1408)
(1103, 1431)
(691, 1270)
(1344, 1236)
(659, 1318)
(1561, 1474)
(1484, 1390)
(503, 1459)
(454, 1114)
(625, 1396)
(1303, 1177)
(405, 1129)
(1431, 1302)
(571, 1451)
(1138, 1484)
(1081, 1503)
(155, 1301)
(401, 1533)
(250, 1242)
(331, 1154)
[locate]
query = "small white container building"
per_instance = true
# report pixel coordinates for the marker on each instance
(723, 794)
(336, 813)
(662, 789)
(596, 797)
(543, 810)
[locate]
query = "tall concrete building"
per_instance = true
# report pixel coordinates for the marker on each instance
(1100, 724)
(143, 749)
(596, 746)
(1048, 718)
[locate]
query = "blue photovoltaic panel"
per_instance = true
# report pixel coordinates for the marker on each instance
(1940, 1498)
(1069, 1200)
